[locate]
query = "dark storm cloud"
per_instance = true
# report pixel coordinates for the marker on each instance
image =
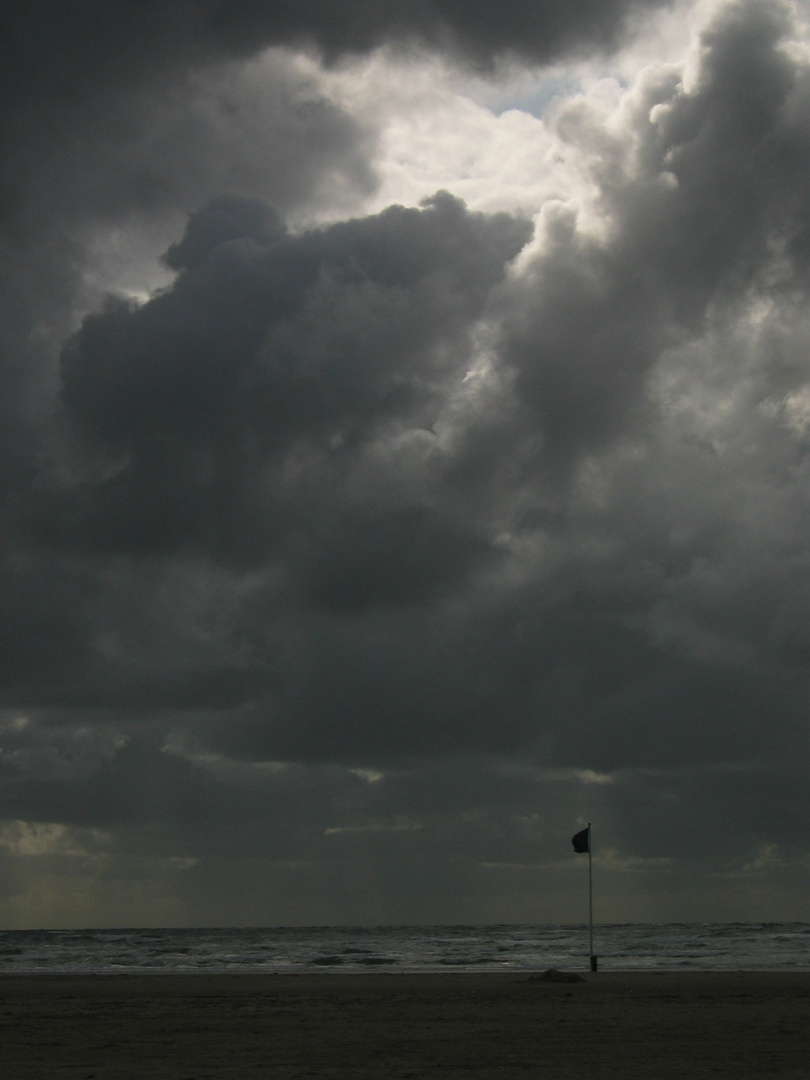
(186, 416)
(352, 548)
(575, 687)
(267, 342)
(478, 29)
(664, 596)
(232, 417)
(115, 122)
(102, 121)
(54, 49)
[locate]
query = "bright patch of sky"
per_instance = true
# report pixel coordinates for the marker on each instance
(432, 125)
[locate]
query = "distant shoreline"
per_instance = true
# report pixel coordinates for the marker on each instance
(396, 1025)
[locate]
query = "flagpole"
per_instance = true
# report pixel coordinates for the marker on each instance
(590, 894)
(582, 843)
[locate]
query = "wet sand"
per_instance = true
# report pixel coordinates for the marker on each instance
(385, 1026)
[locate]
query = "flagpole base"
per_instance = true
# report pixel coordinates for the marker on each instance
(593, 963)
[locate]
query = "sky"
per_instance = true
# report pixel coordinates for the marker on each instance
(404, 461)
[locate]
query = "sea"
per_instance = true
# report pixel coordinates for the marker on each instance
(291, 950)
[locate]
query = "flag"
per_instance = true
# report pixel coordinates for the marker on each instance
(582, 841)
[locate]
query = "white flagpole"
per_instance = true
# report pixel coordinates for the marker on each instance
(590, 895)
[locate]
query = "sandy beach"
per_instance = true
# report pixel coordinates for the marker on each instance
(187, 1027)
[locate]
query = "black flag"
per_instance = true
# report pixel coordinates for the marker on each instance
(582, 841)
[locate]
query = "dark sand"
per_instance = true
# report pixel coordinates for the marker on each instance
(186, 1027)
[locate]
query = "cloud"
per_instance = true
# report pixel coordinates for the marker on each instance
(369, 548)
(116, 44)
(701, 190)
(271, 345)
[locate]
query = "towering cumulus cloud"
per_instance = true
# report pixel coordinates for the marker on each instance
(270, 346)
(403, 457)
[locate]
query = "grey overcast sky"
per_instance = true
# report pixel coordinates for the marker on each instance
(404, 460)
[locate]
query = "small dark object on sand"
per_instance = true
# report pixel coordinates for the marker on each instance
(552, 975)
